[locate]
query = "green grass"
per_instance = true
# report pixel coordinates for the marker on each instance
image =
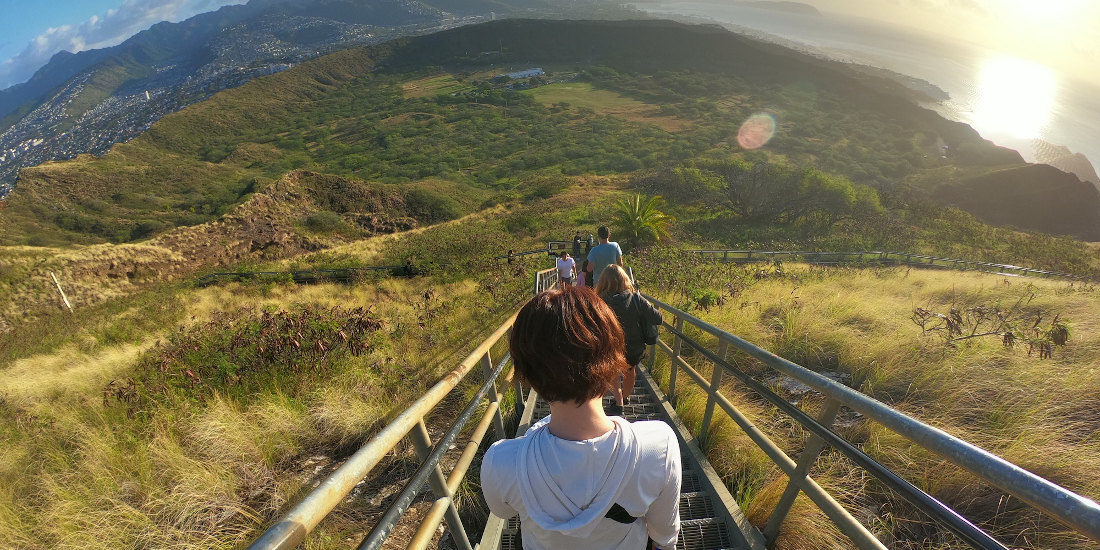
(434, 85)
(584, 95)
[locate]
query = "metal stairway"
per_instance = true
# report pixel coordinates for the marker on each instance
(707, 521)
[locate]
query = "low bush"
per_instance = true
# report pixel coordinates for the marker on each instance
(324, 221)
(244, 352)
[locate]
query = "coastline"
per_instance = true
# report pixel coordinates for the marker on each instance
(946, 74)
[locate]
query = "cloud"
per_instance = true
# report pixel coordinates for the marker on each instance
(103, 31)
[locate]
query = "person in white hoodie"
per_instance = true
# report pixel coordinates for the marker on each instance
(578, 479)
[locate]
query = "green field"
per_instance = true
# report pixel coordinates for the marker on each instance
(584, 95)
(434, 85)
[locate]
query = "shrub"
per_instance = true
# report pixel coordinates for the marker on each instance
(324, 221)
(241, 353)
(431, 207)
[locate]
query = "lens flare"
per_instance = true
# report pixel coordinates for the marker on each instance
(756, 131)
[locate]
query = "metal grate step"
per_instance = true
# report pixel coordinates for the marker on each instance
(703, 534)
(690, 482)
(695, 505)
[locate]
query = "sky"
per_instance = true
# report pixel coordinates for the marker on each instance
(1062, 34)
(32, 31)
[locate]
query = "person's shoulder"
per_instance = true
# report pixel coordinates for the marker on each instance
(653, 432)
(658, 443)
(503, 453)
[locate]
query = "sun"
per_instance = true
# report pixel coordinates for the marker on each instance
(1015, 96)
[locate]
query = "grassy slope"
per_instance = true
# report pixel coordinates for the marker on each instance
(89, 471)
(207, 469)
(1040, 414)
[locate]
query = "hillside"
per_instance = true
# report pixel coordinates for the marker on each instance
(696, 86)
(1060, 204)
(88, 101)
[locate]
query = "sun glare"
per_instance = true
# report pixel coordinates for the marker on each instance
(1015, 96)
(1046, 8)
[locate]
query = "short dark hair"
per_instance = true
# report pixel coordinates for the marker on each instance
(604, 232)
(568, 345)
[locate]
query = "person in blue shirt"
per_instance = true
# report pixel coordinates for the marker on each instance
(603, 255)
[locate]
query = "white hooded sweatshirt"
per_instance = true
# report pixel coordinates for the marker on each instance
(561, 489)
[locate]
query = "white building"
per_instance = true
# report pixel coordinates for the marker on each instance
(527, 73)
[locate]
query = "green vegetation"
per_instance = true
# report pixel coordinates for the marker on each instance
(385, 114)
(584, 95)
(639, 221)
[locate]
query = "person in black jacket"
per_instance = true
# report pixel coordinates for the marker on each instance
(635, 313)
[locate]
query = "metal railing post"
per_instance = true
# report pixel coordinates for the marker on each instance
(494, 395)
(809, 455)
(422, 442)
(677, 344)
(712, 397)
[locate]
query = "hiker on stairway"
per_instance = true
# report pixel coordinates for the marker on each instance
(567, 269)
(638, 318)
(579, 479)
(602, 255)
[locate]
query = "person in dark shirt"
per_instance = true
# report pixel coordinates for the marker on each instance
(634, 313)
(577, 246)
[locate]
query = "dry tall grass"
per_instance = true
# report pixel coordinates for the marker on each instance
(1042, 414)
(208, 473)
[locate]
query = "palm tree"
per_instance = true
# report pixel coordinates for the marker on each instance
(639, 220)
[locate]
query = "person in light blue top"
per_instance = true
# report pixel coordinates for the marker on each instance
(603, 255)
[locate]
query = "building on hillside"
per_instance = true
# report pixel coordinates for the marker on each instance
(526, 73)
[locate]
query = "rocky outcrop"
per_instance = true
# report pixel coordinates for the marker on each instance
(260, 229)
(1034, 197)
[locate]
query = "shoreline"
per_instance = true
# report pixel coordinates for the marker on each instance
(943, 99)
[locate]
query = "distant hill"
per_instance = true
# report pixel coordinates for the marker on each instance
(1035, 197)
(1065, 160)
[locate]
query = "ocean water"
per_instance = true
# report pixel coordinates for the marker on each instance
(1010, 101)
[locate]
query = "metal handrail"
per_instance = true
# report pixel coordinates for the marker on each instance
(922, 500)
(211, 277)
(382, 529)
(546, 279)
(881, 257)
(292, 528)
(1075, 511)
(518, 254)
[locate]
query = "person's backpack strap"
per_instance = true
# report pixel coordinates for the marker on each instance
(619, 514)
